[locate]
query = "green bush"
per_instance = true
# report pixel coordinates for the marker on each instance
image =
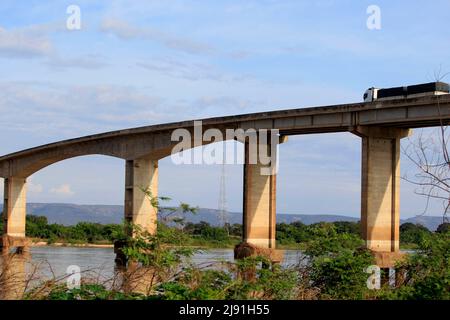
(295, 232)
(443, 228)
(88, 292)
(412, 233)
(194, 284)
(267, 283)
(337, 264)
(427, 271)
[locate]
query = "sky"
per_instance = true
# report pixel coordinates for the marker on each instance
(137, 63)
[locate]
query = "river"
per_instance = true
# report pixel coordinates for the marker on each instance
(59, 258)
(55, 261)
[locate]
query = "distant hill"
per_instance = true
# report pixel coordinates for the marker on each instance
(431, 222)
(211, 216)
(69, 214)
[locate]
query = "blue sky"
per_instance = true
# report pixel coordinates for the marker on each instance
(146, 62)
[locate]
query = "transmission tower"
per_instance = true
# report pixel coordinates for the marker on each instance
(223, 212)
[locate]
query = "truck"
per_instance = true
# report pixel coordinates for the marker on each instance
(413, 91)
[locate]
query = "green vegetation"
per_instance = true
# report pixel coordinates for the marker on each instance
(337, 260)
(333, 269)
(426, 272)
(88, 291)
(443, 228)
(160, 267)
(413, 234)
(298, 234)
(289, 236)
(200, 234)
(82, 232)
(173, 220)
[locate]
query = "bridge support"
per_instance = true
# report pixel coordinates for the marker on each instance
(14, 215)
(140, 175)
(13, 276)
(259, 210)
(380, 198)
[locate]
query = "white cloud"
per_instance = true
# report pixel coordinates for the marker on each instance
(88, 62)
(178, 69)
(19, 43)
(34, 188)
(66, 111)
(229, 104)
(194, 71)
(64, 190)
(33, 42)
(126, 31)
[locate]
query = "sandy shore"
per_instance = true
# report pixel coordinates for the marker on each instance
(78, 245)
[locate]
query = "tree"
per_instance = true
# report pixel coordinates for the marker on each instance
(169, 215)
(37, 226)
(348, 227)
(412, 233)
(443, 228)
(427, 273)
(431, 157)
(235, 229)
(336, 262)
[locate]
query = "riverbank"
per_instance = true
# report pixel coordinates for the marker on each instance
(65, 244)
(198, 245)
(194, 244)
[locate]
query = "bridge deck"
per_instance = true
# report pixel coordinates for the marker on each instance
(405, 113)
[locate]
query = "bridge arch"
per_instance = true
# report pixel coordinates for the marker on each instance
(15, 203)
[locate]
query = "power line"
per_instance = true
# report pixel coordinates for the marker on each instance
(223, 212)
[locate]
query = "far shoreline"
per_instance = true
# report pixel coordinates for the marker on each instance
(65, 244)
(40, 243)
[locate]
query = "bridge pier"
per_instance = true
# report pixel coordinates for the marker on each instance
(13, 276)
(14, 215)
(380, 192)
(140, 175)
(259, 210)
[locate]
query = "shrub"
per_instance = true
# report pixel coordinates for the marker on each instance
(337, 264)
(427, 271)
(412, 233)
(443, 228)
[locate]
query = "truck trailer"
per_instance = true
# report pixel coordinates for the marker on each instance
(413, 91)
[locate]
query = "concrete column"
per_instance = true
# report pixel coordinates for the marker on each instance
(259, 207)
(380, 191)
(14, 213)
(13, 276)
(141, 174)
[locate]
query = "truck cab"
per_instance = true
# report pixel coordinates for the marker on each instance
(370, 94)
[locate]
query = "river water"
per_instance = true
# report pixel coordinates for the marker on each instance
(102, 259)
(56, 262)
(20, 273)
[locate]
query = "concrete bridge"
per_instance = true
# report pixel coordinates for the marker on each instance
(380, 124)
